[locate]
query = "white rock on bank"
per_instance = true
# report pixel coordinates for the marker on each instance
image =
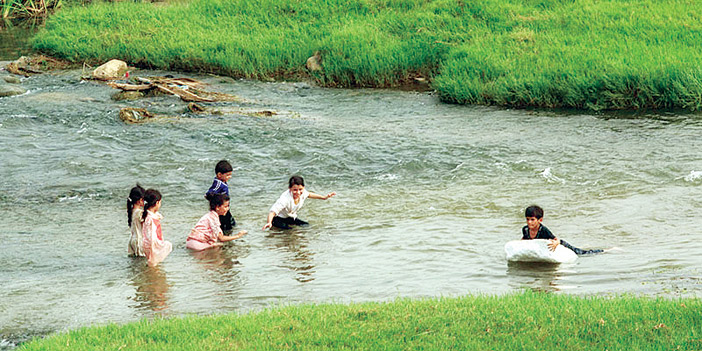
(113, 69)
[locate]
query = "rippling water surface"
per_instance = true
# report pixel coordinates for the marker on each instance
(428, 194)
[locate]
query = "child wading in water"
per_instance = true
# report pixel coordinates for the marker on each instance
(283, 213)
(207, 232)
(155, 248)
(535, 230)
(135, 209)
(223, 172)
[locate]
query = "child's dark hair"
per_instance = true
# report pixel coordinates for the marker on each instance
(223, 167)
(534, 211)
(216, 200)
(296, 180)
(151, 197)
(136, 194)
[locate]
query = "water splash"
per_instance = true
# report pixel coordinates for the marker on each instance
(6, 344)
(71, 198)
(387, 176)
(550, 177)
(694, 175)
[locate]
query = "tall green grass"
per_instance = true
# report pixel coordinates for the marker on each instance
(606, 54)
(527, 321)
(23, 9)
(588, 54)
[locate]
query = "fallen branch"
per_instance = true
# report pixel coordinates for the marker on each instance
(130, 87)
(187, 89)
(183, 94)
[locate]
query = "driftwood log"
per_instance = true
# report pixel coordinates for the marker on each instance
(189, 90)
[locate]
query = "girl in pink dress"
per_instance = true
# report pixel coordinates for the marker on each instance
(155, 248)
(207, 232)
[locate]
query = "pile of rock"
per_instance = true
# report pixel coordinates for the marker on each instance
(25, 66)
(28, 65)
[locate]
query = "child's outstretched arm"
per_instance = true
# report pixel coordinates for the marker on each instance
(269, 223)
(321, 197)
(225, 238)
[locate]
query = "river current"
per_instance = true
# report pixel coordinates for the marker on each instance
(428, 194)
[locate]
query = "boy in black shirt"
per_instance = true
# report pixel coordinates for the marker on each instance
(535, 230)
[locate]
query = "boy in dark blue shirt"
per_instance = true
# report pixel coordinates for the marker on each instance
(223, 172)
(535, 230)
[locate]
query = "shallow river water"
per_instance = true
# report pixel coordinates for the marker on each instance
(14, 41)
(428, 194)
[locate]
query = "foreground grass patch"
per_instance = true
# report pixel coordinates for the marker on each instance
(527, 321)
(609, 54)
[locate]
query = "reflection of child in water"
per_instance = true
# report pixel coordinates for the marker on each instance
(283, 213)
(151, 288)
(208, 232)
(535, 230)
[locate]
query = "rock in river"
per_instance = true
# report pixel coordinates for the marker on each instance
(314, 63)
(127, 95)
(113, 69)
(11, 79)
(10, 89)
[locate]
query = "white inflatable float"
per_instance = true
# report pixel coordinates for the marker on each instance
(537, 251)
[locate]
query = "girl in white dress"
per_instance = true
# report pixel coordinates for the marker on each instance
(283, 213)
(135, 209)
(155, 248)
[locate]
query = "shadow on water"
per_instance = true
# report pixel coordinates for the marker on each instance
(151, 287)
(537, 276)
(294, 244)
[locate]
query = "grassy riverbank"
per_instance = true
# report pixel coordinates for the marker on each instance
(609, 54)
(528, 321)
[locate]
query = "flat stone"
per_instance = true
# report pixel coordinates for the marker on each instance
(10, 90)
(127, 95)
(12, 79)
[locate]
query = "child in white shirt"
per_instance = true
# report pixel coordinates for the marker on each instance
(283, 213)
